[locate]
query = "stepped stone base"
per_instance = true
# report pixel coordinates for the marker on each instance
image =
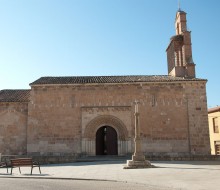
(138, 162)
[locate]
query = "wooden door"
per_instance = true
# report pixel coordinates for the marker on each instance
(100, 144)
(106, 141)
(111, 141)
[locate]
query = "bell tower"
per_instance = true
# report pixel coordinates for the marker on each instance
(179, 50)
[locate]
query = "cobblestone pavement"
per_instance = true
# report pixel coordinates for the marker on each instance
(190, 175)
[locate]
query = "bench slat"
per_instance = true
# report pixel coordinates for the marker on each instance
(23, 162)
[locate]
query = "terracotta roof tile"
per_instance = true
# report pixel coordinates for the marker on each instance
(215, 109)
(109, 79)
(14, 95)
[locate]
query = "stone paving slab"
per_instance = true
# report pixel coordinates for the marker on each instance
(189, 175)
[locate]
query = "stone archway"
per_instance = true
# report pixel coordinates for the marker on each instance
(89, 135)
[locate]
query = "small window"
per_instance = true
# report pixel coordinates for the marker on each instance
(217, 147)
(215, 125)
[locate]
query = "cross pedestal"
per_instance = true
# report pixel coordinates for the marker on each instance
(138, 158)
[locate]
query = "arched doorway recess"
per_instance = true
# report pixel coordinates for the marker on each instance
(89, 134)
(106, 141)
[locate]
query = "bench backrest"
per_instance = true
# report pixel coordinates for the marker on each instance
(22, 162)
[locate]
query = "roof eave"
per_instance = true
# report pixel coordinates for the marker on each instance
(119, 83)
(213, 110)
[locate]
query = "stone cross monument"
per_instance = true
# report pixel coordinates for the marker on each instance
(138, 158)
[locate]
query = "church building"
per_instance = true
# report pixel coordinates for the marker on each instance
(94, 115)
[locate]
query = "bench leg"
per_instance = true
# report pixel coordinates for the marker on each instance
(7, 170)
(31, 170)
(39, 170)
(11, 169)
(20, 170)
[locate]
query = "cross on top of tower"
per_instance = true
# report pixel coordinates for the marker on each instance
(179, 9)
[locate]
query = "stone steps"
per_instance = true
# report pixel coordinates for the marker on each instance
(103, 158)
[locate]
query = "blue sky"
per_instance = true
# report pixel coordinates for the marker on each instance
(103, 37)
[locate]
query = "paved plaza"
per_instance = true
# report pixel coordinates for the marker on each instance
(187, 175)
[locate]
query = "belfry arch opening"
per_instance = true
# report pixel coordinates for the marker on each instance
(106, 141)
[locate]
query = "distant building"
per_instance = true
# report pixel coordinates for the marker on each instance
(95, 115)
(214, 129)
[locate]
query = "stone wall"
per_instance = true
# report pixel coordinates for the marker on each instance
(173, 117)
(13, 128)
(76, 158)
(198, 118)
(214, 136)
(54, 122)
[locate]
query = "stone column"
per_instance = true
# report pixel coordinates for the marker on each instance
(138, 158)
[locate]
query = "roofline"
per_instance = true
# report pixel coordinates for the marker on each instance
(213, 110)
(141, 82)
(18, 101)
(16, 89)
(14, 101)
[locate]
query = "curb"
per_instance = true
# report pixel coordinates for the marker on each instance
(60, 178)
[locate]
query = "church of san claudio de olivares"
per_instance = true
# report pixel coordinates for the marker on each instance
(94, 115)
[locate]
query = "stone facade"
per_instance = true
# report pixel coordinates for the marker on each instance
(214, 129)
(63, 119)
(62, 115)
(13, 128)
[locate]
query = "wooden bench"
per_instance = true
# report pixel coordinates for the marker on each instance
(24, 162)
(4, 165)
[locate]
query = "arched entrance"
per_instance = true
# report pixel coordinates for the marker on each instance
(89, 138)
(106, 141)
